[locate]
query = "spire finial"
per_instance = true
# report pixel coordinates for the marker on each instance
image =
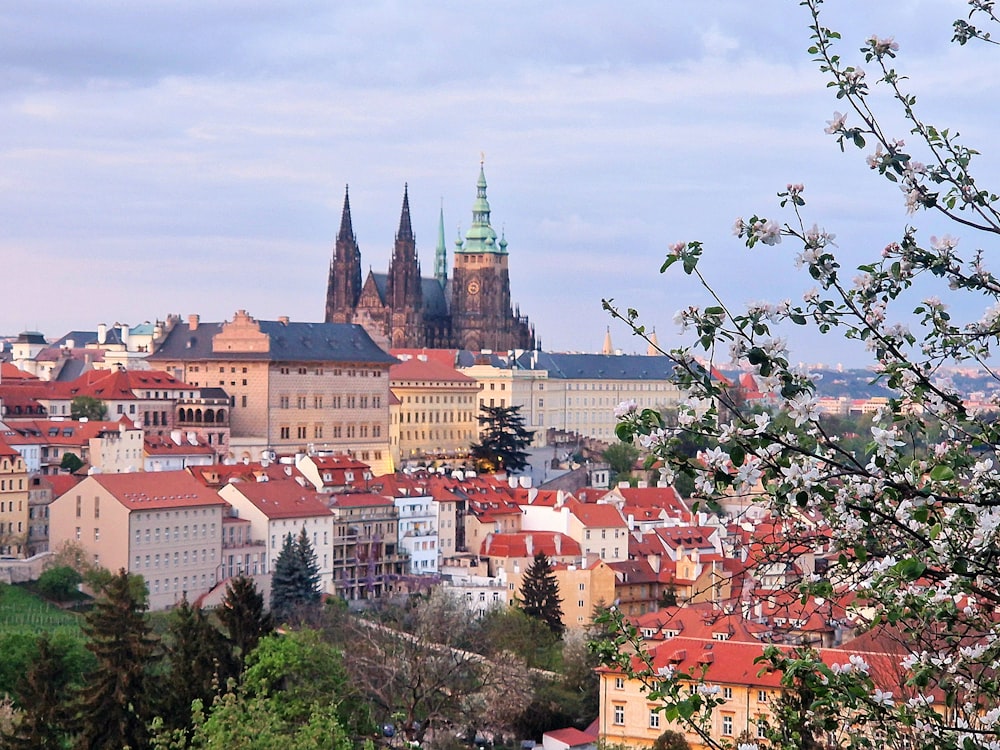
(405, 227)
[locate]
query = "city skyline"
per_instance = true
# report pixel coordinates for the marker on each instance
(191, 159)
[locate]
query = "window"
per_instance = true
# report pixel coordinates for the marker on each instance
(654, 719)
(619, 683)
(727, 725)
(283, 402)
(761, 728)
(285, 433)
(727, 693)
(620, 715)
(762, 696)
(579, 602)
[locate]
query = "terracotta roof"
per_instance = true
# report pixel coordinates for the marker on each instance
(6, 450)
(446, 357)
(570, 736)
(428, 371)
(529, 544)
(10, 373)
(62, 432)
(155, 490)
(282, 498)
(597, 515)
(156, 445)
(118, 384)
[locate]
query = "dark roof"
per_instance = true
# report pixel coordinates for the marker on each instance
(435, 303)
(290, 342)
(603, 366)
(81, 339)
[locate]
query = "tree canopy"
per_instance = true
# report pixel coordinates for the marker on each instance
(539, 595)
(504, 439)
(88, 407)
(912, 516)
(295, 585)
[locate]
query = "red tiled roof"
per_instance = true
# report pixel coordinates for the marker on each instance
(283, 498)
(118, 384)
(155, 490)
(10, 373)
(446, 357)
(597, 515)
(428, 371)
(571, 736)
(529, 544)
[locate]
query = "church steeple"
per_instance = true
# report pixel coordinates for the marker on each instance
(344, 284)
(346, 233)
(481, 238)
(441, 252)
(405, 231)
(608, 348)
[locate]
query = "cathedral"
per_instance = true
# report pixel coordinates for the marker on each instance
(403, 310)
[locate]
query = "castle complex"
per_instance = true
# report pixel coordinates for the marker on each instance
(401, 309)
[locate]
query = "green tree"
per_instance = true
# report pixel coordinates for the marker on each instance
(621, 457)
(88, 407)
(911, 527)
(244, 617)
(70, 462)
(59, 583)
(199, 664)
(295, 591)
(540, 594)
(671, 740)
(44, 693)
(114, 704)
(504, 440)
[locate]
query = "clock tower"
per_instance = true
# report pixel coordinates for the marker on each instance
(482, 317)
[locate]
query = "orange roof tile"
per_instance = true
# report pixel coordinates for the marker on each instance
(156, 490)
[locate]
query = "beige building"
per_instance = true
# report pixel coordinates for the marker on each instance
(165, 526)
(572, 392)
(584, 586)
(278, 507)
(438, 407)
(13, 503)
(292, 386)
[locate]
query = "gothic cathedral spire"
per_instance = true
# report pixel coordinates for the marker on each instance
(344, 283)
(441, 252)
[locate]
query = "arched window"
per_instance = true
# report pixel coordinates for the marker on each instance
(209, 415)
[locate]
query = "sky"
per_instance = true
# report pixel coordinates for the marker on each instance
(190, 156)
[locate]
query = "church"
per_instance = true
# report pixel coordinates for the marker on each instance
(403, 310)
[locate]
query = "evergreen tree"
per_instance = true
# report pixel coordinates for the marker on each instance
(540, 594)
(295, 584)
(43, 692)
(244, 617)
(199, 662)
(114, 703)
(504, 439)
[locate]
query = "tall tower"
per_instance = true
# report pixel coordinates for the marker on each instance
(344, 285)
(404, 294)
(482, 317)
(441, 252)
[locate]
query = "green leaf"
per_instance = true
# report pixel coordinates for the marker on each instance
(942, 473)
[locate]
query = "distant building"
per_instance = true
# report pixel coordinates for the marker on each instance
(293, 387)
(401, 308)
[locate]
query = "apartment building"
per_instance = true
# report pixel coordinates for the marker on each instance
(165, 526)
(292, 386)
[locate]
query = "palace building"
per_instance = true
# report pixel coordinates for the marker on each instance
(402, 309)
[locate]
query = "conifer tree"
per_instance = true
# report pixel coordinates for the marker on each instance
(504, 439)
(295, 583)
(540, 594)
(114, 703)
(244, 617)
(199, 662)
(43, 692)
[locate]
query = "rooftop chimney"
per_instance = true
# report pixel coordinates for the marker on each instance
(193, 321)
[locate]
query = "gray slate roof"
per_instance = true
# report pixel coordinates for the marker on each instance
(599, 366)
(435, 301)
(290, 342)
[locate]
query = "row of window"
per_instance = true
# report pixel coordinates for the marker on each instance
(337, 431)
(7, 506)
(728, 721)
(189, 531)
(8, 484)
(337, 372)
(335, 402)
(188, 559)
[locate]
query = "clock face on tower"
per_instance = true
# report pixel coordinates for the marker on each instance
(473, 287)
